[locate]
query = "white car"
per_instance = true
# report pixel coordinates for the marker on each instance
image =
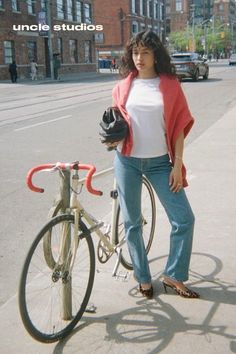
(232, 59)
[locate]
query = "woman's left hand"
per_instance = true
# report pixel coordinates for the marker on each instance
(176, 179)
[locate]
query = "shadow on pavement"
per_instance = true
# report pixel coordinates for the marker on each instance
(209, 80)
(156, 321)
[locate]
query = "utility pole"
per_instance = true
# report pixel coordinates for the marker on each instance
(232, 35)
(50, 49)
(193, 26)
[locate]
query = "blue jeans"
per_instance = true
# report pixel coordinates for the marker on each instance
(128, 173)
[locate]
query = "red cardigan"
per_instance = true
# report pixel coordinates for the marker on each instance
(176, 112)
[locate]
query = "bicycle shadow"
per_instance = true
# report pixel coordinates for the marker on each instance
(156, 322)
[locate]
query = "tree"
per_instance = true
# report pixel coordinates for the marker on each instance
(205, 39)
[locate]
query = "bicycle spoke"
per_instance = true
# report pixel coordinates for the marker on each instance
(44, 300)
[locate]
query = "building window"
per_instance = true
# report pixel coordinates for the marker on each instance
(155, 13)
(31, 7)
(178, 5)
(15, 5)
(61, 9)
(161, 11)
(8, 52)
(78, 11)
(70, 10)
(144, 7)
(221, 7)
(87, 52)
(60, 48)
(133, 7)
(43, 5)
(73, 51)
(87, 13)
(141, 7)
(134, 27)
(149, 8)
(222, 19)
(32, 50)
(1, 4)
(168, 10)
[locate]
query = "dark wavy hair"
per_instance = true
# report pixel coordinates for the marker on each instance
(150, 40)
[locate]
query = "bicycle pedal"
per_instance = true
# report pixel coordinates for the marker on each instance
(123, 276)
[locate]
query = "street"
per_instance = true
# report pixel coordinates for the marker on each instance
(52, 122)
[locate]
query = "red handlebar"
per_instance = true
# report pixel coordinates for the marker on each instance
(64, 166)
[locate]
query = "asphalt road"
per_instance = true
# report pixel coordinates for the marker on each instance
(59, 122)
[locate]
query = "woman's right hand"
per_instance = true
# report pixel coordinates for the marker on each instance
(112, 146)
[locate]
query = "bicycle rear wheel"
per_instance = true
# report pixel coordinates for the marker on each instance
(148, 209)
(50, 301)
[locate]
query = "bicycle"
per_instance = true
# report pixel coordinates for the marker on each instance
(58, 273)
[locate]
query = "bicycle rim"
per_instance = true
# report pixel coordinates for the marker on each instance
(148, 208)
(50, 302)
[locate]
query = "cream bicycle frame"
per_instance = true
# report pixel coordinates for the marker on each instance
(95, 225)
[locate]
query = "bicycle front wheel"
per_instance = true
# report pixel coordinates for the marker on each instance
(52, 301)
(148, 210)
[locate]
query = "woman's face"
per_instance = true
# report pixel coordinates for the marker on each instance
(143, 59)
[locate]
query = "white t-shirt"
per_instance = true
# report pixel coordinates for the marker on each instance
(145, 108)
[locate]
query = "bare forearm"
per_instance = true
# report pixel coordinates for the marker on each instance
(179, 149)
(175, 179)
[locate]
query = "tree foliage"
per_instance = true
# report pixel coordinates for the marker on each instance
(204, 39)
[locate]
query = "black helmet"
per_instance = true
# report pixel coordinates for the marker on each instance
(114, 126)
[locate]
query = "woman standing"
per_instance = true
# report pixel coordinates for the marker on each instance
(151, 100)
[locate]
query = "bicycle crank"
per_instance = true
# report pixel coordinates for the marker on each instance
(103, 252)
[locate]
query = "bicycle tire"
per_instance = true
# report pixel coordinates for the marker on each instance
(148, 222)
(40, 295)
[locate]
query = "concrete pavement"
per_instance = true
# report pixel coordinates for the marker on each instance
(124, 321)
(63, 78)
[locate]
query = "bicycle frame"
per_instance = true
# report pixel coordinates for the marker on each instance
(95, 225)
(60, 263)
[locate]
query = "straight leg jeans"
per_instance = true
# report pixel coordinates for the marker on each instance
(128, 173)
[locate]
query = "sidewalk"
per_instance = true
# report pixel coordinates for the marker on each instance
(127, 323)
(87, 76)
(73, 77)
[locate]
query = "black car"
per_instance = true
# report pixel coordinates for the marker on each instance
(190, 65)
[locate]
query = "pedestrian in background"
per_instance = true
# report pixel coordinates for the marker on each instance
(34, 69)
(151, 99)
(13, 71)
(113, 64)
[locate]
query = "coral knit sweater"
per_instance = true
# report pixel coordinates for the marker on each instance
(176, 112)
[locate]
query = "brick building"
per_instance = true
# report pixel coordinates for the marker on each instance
(122, 19)
(225, 11)
(179, 13)
(21, 41)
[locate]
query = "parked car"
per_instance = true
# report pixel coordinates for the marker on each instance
(232, 59)
(190, 65)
